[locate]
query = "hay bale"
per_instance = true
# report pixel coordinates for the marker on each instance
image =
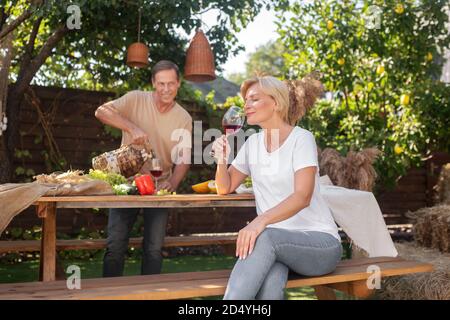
(420, 286)
(432, 227)
(442, 187)
(442, 227)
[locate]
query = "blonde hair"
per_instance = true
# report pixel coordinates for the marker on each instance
(293, 97)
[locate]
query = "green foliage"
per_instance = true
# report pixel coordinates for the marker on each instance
(82, 254)
(194, 177)
(267, 59)
(21, 172)
(233, 101)
(18, 233)
(22, 154)
(113, 132)
(54, 163)
(35, 233)
(94, 56)
(371, 73)
(248, 182)
(236, 77)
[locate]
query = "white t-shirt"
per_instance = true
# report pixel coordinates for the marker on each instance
(272, 176)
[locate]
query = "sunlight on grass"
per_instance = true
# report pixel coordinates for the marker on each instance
(29, 270)
(304, 293)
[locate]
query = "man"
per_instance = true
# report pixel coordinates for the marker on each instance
(156, 118)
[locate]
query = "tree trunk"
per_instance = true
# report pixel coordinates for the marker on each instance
(5, 63)
(10, 136)
(5, 161)
(28, 69)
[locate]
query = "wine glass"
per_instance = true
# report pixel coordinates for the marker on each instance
(232, 121)
(156, 170)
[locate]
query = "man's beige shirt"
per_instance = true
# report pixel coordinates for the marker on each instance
(169, 133)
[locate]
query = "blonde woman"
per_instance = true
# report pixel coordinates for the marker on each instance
(294, 228)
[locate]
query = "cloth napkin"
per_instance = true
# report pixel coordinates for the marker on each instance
(358, 214)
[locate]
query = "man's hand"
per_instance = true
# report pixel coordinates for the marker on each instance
(247, 237)
(166, 185)
(138, 136)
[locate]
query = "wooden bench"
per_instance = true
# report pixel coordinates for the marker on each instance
(350, 276)
(95, 244)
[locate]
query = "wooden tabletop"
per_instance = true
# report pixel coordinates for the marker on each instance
(137, 201)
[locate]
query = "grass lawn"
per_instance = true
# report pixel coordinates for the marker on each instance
(29, 270)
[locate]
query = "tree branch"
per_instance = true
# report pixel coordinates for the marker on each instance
(34, 33)
(26, 57)
(14, 24)
(3, 17)
(28, 72)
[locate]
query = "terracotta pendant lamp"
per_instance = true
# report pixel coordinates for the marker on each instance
(199, 65)
(137, 53)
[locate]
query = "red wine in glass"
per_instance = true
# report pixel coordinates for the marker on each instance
(156, 173)
(156, 170)
(232, 122)
(231, 128)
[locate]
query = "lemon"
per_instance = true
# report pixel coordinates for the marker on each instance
(380, 69)
(399, 8)
(341, 61)
(330, 24)
(404, 99)
(429, 56)
(397, 149)
(370, 86)
(202, 187)
(212, 186)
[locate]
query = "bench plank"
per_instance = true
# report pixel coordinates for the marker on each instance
(30, 287)
(93, 244)
(345, 274)
(195, 284)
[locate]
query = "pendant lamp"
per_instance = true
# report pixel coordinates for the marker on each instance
(199, 65)
(137, 53)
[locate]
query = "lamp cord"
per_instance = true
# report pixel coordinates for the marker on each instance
(139, 26)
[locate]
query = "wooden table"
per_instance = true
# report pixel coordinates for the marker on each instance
(47, 207)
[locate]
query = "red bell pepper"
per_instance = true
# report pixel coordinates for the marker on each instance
(144, 184)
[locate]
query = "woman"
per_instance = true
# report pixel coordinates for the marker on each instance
(294, 228)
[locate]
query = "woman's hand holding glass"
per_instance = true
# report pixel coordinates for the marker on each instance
(232, 122)
(221, 149)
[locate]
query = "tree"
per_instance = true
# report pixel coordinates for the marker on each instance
(267, 59)
(48, 52)
(380, 59)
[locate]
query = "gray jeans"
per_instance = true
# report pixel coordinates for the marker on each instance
(263, 274)
(120, 224)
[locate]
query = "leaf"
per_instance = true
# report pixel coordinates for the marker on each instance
(19, 171)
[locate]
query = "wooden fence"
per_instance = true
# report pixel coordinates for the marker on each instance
(63, 121)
